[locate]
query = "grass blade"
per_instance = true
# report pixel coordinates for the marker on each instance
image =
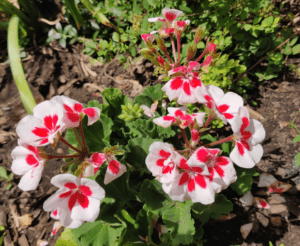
(16, 66)
(72, 7)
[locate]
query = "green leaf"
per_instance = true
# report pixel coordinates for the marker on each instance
(247, 27)
(16, 66)
(8, 186)
(244, 180)
(256, 20)
(179, 221)
(267, 21)
(3, 173)
(296, 49)
(97, 233)
(296, 139)
(90, 44)
(152, 2)
(293, 41)
(116, 37)
(244, 13)
(137, 151)
(72, 8)
(297, 160)
(2, 238)
(149, 95)
(154, 196)
(67, 239)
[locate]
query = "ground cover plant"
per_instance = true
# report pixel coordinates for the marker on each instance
(142, 171)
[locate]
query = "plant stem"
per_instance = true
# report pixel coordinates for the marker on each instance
(183, 151)
(203, 54)
(209, 119)
(69, 145)
(178, 49)
(173, 48)
(224, 140)
(62, 156)
(184, 137)
(78, 137)
(168, 56)
(84, 148)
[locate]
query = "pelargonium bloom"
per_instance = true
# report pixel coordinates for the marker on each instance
(77, 200)
(42, 127)
(183, 86)
(191, 184)
(222, 172)
(161, 161)
(248, 134)
(114, 170)
(168, 27)
(178, 115)
(226, 106)
(147, 37)
(73, 109)
(27, 162)
(180, 26)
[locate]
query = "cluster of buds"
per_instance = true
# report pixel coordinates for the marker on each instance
(197, 172)
(78, 198)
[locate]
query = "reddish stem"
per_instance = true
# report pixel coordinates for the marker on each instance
(82, 137)
(185, 138)
(209, 119)
(62, 156)
(69, 145)
(178, 49)
(78, 137)
(173, 47)
(224, 140)
(203, 54)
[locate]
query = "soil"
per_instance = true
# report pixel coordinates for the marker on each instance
(52, 71)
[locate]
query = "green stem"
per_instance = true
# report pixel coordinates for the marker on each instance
(82, 137)
(62, 156)
(78, 137)
(184, 137)
(211, 116)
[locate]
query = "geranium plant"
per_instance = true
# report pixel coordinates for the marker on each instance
(144, 172)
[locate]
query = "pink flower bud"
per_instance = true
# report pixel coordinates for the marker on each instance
(212, 47)
(207, 61)
(161, 60)
(147, 37)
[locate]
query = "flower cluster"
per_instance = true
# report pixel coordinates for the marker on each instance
(78, 199)
(197, 172)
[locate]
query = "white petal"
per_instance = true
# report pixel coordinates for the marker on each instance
(154, 19)
(19, 165)
(46, 108)
(258, 132)
(256, 153)
(174, 11)
(172, 110)
(109, 176)
(176, 192)
(203, 195)
(97, 191)
(31, 179)
(89, 213)
(93, 115)
(163, 123)
(244, 161)
(199, 118)
(184, 98)
(60, 179)
(216, 93)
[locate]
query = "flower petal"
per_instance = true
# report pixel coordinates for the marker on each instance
(114, 170)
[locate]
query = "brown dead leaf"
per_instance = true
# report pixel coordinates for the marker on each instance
(26, 220)
(276, 221)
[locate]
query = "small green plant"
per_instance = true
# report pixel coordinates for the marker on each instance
(2, 228)
(295, 140)
(5, 177)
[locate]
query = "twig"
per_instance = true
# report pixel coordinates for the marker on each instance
(278, 47)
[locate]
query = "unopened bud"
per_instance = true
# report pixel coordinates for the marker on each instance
(180, 27)
(161, 60)
(161, 44)
(192, 50)
(212, 47)
(198, 35)
(207, 61)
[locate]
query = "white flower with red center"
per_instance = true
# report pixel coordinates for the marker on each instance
(191, 184)
(161, 161)
(73, 109)
(170, 16)
(77, 200)
(42, 127)
(183, 86)
(27, 162)
(222, 172)
(248, 134)
(226, 106)
(179, 116)
(114, 170)
(180, 26)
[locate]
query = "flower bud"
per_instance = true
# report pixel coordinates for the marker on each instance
(199, 35)
(192, 49)
(180, 27)
(161, 44)
(207, 61)
(212, 47)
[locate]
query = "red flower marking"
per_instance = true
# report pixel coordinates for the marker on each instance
(220, 171)
(114, 166)
(194, 82)
(200, 181)
(31, 160)
(180, 23)
(178, 113)
(169, 118)
(191, 185)
(78, 107)
(210, 101)
(70, 185)
(160, 162)
(202, 155)
(187, 89)
(222, 161)
(55, 213)
(164, 154)
(40, 132)
(90, 112)
(176, 83)
(170, 16)
(169, 30)
(240, 148)
(263, 203)
(183, 165)
(184, 178)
